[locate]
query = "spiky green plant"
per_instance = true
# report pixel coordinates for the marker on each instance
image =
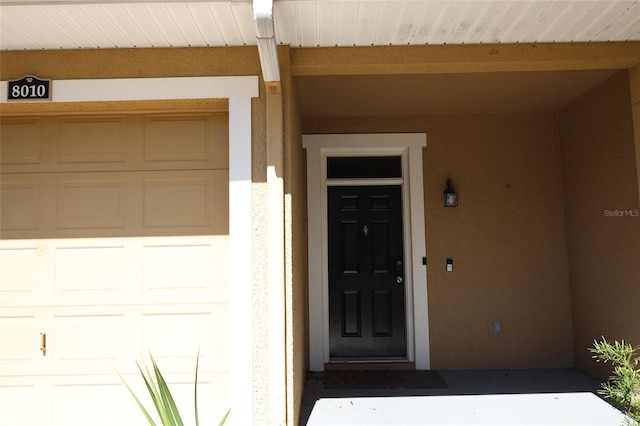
(623, 386)
(161, 396)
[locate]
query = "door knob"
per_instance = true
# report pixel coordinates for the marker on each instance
(399, 279)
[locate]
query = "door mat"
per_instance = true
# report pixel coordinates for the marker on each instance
(382, 379)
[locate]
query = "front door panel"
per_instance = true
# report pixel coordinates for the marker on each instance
(366, 272)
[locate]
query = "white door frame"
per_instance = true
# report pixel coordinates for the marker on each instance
(239, 90)
(409, 147)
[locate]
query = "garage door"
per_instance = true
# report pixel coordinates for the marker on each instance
(114, 244)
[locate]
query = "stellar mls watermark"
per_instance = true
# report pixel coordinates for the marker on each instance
(622, 213)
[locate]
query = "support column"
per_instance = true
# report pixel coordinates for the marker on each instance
(276, 255)
(634, 79)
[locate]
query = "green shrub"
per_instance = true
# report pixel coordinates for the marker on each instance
(623, 386)
(161, 396)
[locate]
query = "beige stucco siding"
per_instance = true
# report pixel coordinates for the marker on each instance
(130, 63)
(295, 245)
(506, 238)
(634, 83)
(603, 226)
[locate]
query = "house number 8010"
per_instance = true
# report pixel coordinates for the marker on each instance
(33, 91)
(29, 88)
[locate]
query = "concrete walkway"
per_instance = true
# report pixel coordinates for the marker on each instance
(487, 397)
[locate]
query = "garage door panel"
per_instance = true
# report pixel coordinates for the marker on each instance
(99, 405)
(90, 270)
(217, 351)
(194, 134)
(94, 340)
(20, 206)
(21, 141)
(186, 202)
(178, 268)
(114, 142)
(177, 202)
(177, 336)
(17, 269)
(19, 343)
(115, 236)
(92, 140)
(111, 404)
(18, 405)
(91, 204)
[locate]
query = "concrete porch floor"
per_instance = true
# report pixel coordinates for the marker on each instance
(473, 397)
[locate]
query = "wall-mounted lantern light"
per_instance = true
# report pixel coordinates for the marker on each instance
(450, 196)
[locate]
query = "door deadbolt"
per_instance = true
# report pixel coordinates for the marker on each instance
(365, 231)
(399, 272)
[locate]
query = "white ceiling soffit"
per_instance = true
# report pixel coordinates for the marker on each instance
(70, 24)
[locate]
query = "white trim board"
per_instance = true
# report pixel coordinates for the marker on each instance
(239, 90)
(409, 147)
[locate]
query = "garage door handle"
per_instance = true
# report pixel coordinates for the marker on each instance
(43, 343)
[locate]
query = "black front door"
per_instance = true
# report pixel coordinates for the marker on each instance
(366, 272)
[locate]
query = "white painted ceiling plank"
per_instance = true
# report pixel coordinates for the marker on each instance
(52, 36)
(65, 32)
(388, 16)
(17, 38)
(426, 13)
(93, 36)
(311, 23)
(243, 17)
(492, 24)
(207, 24)
(148, 27)
(509, 18)
(167, 25)
(286, 25)
(227, 22)
(520, 31)
(448, 21)
(409, 23)
(117, 27)
(14, 20)
(327, 22)
(574, 19)
(130, 32)
(585, 13)
(473, 20)
(623, 26)
(184, 22)
(346, 25)
(546, 27)
(599, 18)
(307, 17)
(368, 24)
(466, 17)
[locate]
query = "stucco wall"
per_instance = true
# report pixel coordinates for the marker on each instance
(634, 82)
(603, 226)
(506, 238)
(295, 245)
